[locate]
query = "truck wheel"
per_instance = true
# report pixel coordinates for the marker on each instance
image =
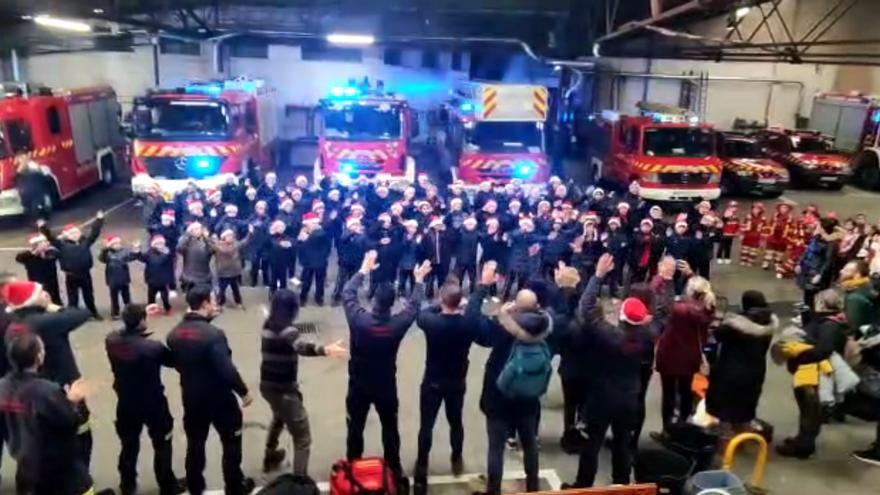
(108, 170)
(867, 170)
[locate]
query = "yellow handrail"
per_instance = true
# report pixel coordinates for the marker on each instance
(760, 463)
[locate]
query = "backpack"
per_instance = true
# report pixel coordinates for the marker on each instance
(527, 371)
(289, 484)
(368, 476)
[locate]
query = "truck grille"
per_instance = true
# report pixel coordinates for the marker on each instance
(683, 178)
(164, 168)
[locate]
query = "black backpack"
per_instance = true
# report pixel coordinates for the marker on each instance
(290, 484)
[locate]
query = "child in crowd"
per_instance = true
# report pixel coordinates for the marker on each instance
(41, 265)
(158, 263)
(116, 273)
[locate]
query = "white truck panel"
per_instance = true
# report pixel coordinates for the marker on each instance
(512, 103)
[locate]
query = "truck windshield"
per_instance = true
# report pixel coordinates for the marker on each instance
(811, 145)
(355, 122)
(506, 137)
(678, 141)
(738, 148)
(160, 118)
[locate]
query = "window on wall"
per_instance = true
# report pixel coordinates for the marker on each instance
(179, 47)
(19, 136)
(53, 120)
(457, 60)
(249, 49)
(325, 53)
(430, 59)
(393, 56)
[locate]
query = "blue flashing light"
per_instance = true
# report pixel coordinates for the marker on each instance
(524, 169)
(208, 89)
(351, 91)
(203, 163)
(337, 91)
(200, 167)
(876, 117)
(347, 167)
(467, 107)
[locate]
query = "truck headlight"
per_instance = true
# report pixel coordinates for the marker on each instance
(347, 167)
(524, 169)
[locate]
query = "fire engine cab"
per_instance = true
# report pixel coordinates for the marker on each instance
(365, 131)
(495, 132)
(71, 138)
(666, 150)
(809, 156)
(853, 120)
(203, 132)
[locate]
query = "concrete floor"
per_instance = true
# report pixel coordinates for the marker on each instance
(324, 383)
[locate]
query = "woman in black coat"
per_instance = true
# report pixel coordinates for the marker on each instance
(737, 376)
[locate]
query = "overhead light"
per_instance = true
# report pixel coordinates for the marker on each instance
(27, 17)
(351, 39)
(97, 11)
(67, 24)
(742, 12)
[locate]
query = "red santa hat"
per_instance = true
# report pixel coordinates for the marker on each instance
(213, 195)
(36, 239)
(648, 222)
(634, 312)
(436, 221)
(351, 222)
(832, 215)
(614, 221)
(110, 239)
(758, 206)
(566, 205)
(21, 294)
(194, 205)
(156, 240)
(311, 219)
(278, 226)
(167, 215)
(591, 216)
(704, 204)
(69, 228)
(469, 221)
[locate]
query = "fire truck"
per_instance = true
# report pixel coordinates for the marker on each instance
(71, 138)
(666, 150)
(747, 170)
(809, 156)
(495, 132)
(365, 131)
(853, 120)
(203, 132)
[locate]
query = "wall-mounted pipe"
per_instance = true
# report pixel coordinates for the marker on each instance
(16, 69)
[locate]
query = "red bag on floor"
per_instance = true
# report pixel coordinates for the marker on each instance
(369, 476)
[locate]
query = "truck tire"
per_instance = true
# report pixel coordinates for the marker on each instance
(108, 170)
(867, 170)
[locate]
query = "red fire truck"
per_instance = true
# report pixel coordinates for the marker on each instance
(495, 132)
(747, 170)
(853, 120)
(203, 132)
(809, 156)
(666, 150)
(72, 137)
(365, 131)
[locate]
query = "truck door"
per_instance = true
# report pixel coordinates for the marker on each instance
(626, 150)
(61, 162)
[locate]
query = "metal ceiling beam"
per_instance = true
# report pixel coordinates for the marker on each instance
(633, 26)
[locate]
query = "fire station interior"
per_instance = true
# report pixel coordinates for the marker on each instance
(767, 101)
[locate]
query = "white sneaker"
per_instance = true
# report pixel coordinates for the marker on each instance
(779, 276)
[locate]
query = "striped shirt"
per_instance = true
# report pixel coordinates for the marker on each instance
(280, 364)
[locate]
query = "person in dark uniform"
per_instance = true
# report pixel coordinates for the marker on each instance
(75, 256)
(41, 265)
(314, 254)
(137, 363)
(209, 382)
(40, 421)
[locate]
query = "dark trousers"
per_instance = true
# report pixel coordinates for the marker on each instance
(259, 264)
(51, 287)
(405, 281)
(647, 372)
(621, 425)
(810, 419)
(573, 394)
(118, 292)
(615, 278)
(278, 276)
(809, 302)
(343, 274)
(76, 283)
(437, 276)
(725, 248)
(289, 412)
(380, 276)
(498, 430)
(703, 267)
(162, 291)
(319, 277)
(225, 416)
(129, 423)
(469, 271)
(432, 396)
(519, 278)
(357, 406)
(228, 282)
(639, 274)
(676, 392)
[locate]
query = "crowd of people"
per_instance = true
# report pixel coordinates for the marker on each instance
(533, 261)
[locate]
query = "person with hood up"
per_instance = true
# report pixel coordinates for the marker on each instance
(521, 321)
(75, 259)
(158, 263)
(313, 245)
(227, 264)
(737, 374)
(195, 250)
(40, 262)
(116, 273)
(136, 362)
(372, 370)
(613, 388)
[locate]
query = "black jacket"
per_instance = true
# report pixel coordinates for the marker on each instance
(42, 269)
(137, 361)
(521, 260)
(202, 356)
(75, 257)
(466, 247)
(827, 333)
(495, 248)
(280, 350)
(282, 251)
(158, 267)
(40, 429)
(410, 252)
(375, 339)
(171, 233)
(448, 339)
(54, 329)
(314, 252)
(351, 249)
(235, 224)
(438, 246)
(557, 249)
(116, 272)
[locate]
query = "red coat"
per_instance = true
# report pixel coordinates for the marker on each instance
(753, 230)
(679, 350)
